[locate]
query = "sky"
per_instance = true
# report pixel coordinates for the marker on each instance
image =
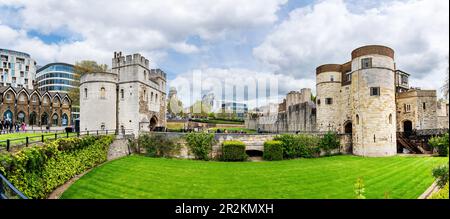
(280, 41)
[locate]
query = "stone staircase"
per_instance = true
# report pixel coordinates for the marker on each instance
(413, 145)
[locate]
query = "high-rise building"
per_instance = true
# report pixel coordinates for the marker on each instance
(17, 69)
(58, 78)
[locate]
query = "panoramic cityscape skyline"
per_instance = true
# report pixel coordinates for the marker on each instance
(280, 39)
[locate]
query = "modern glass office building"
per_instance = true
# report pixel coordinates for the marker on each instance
(17, 69)
(58, 77)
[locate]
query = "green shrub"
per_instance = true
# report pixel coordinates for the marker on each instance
(329, 142)
(440, 173)
(273, 150)
(158, 145)
(295, 146)
(440, 144)
(37, 171)
(233, 151)
(441, 194)
(200, 144)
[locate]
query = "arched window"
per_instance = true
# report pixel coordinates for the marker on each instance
(64, 120)
(145, 75)
(102, 93)
(21, 117)
(22, 97)
(156, 97)
(85, 93)
(390, 118)
(122, 93)
(55, 118)
(151, 98)
(357, 119)
(145, 95)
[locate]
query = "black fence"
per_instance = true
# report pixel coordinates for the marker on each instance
(9, 144)
(8, 191)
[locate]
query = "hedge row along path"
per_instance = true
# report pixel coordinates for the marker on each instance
(330, 177)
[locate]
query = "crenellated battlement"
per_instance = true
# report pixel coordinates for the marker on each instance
(158, 73)
(135, 59)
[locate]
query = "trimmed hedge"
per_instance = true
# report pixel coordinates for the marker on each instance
(233, 151)
(37, 171)
(296, 146)
(440, 173)
(273, 150)
(200, 144)
(440, 144)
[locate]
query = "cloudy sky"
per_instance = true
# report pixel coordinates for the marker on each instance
(281, 40)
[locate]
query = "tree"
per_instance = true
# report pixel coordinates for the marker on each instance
(80, 68)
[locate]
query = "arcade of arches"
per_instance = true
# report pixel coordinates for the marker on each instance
(33, 108)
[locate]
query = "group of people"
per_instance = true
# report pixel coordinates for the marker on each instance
(6, 126)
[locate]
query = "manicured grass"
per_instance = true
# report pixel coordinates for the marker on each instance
(33, 137)
(330, 177)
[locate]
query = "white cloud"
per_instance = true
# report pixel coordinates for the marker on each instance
(327, 32)
(192, 85)
(103, 26)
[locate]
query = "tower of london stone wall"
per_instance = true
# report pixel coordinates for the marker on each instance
(366, 98)
(131, 96)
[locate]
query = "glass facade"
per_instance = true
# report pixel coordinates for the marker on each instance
(57, 77)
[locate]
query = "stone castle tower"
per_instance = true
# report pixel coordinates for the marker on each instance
(131, 96)
(358, 97)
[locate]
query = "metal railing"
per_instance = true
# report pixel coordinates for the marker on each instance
(8, 144)
(8, 191)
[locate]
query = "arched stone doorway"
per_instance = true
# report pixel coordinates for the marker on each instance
(64, 120)
(32, 120)
(55, 119)
(20, 117)
(44, 119)
(407, 127)
(8, 115)
(153, 123)
(348, 128)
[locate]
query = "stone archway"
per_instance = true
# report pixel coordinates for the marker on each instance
(8, 116)
(32, 120)
(64, 120)
(55, 120)
(407, 127)
(44, 119)
(21, 117)
(348, 128)
(153, 123)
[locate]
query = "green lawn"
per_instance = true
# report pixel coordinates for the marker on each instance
(330, 177)
(33, 137)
